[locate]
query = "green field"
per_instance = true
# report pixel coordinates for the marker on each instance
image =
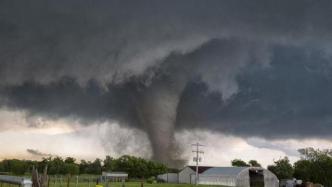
(132, 184)
(127, 184)
(136, 184)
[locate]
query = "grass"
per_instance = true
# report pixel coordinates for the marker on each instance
(118, 184)
(84, 182)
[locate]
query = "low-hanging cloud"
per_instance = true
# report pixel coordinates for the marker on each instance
(258, 68)
(36, 152)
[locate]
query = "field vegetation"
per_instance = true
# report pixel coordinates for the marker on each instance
(117, 184)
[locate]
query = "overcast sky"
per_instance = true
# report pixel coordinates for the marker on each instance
(249, 79)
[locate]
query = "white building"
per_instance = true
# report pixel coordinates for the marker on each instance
(114, 176)
(228, 176)
(14, 180)
(188, 174)
(168, 178)
(239, 177)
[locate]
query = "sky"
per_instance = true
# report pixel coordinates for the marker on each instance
(250, 79)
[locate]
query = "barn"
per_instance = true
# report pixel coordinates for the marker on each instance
(238, 176)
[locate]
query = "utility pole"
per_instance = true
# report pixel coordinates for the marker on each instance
(197, 159)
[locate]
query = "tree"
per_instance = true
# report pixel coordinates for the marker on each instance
(315, 166)
(109, 164)
(18, 167)
(70, 160)
(239, 163)
(56, 166)
(83, 166)
(94, 167)
(2, 168)
(72, 169)
(282, 168)
(302, 170)
(254, 163)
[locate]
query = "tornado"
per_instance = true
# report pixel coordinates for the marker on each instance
(157, 111)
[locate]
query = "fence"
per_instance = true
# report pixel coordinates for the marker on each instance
(79, 181)
(72, 181)
(56, 181)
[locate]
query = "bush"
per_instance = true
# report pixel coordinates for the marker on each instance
(151, 180)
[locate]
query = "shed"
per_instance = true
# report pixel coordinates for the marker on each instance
(168, 178)
(239, 177)
(114, 176)
(187, 174)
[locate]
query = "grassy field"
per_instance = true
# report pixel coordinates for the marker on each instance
(90, 181)
(127, 184)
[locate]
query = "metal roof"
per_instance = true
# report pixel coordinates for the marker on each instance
(224, 171)
(15, 180)
(115, 174)
(201, 169)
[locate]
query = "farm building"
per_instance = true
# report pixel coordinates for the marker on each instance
(188, 173)
(114, 176)
(168, 178)
(238, 176)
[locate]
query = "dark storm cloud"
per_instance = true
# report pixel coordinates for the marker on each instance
(249, 68)
(112, 40)
(289, 99)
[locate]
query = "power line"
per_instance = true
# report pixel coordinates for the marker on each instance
(197, 159)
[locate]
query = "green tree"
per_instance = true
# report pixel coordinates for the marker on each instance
(2, 168)
(282, 168)
(239, 163)
(56, 166)
(72, 169)
(302, 170)
(83, 166)
(18, 167)
(254, 163)
(70, 160)
(95, 167)
(315, 166)
(108, 164)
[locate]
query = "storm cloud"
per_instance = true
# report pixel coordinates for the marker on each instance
(250, 68)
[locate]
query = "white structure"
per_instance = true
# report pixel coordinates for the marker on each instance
(169, 178)
(21, 181)
(239, 177)
(290, 182)
(188, 174)
(114, 176)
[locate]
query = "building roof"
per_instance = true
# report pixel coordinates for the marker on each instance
(115, 174)
(224, 170)
(201, 169)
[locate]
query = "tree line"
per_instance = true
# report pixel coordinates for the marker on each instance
(135, 167)
(314, 166)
